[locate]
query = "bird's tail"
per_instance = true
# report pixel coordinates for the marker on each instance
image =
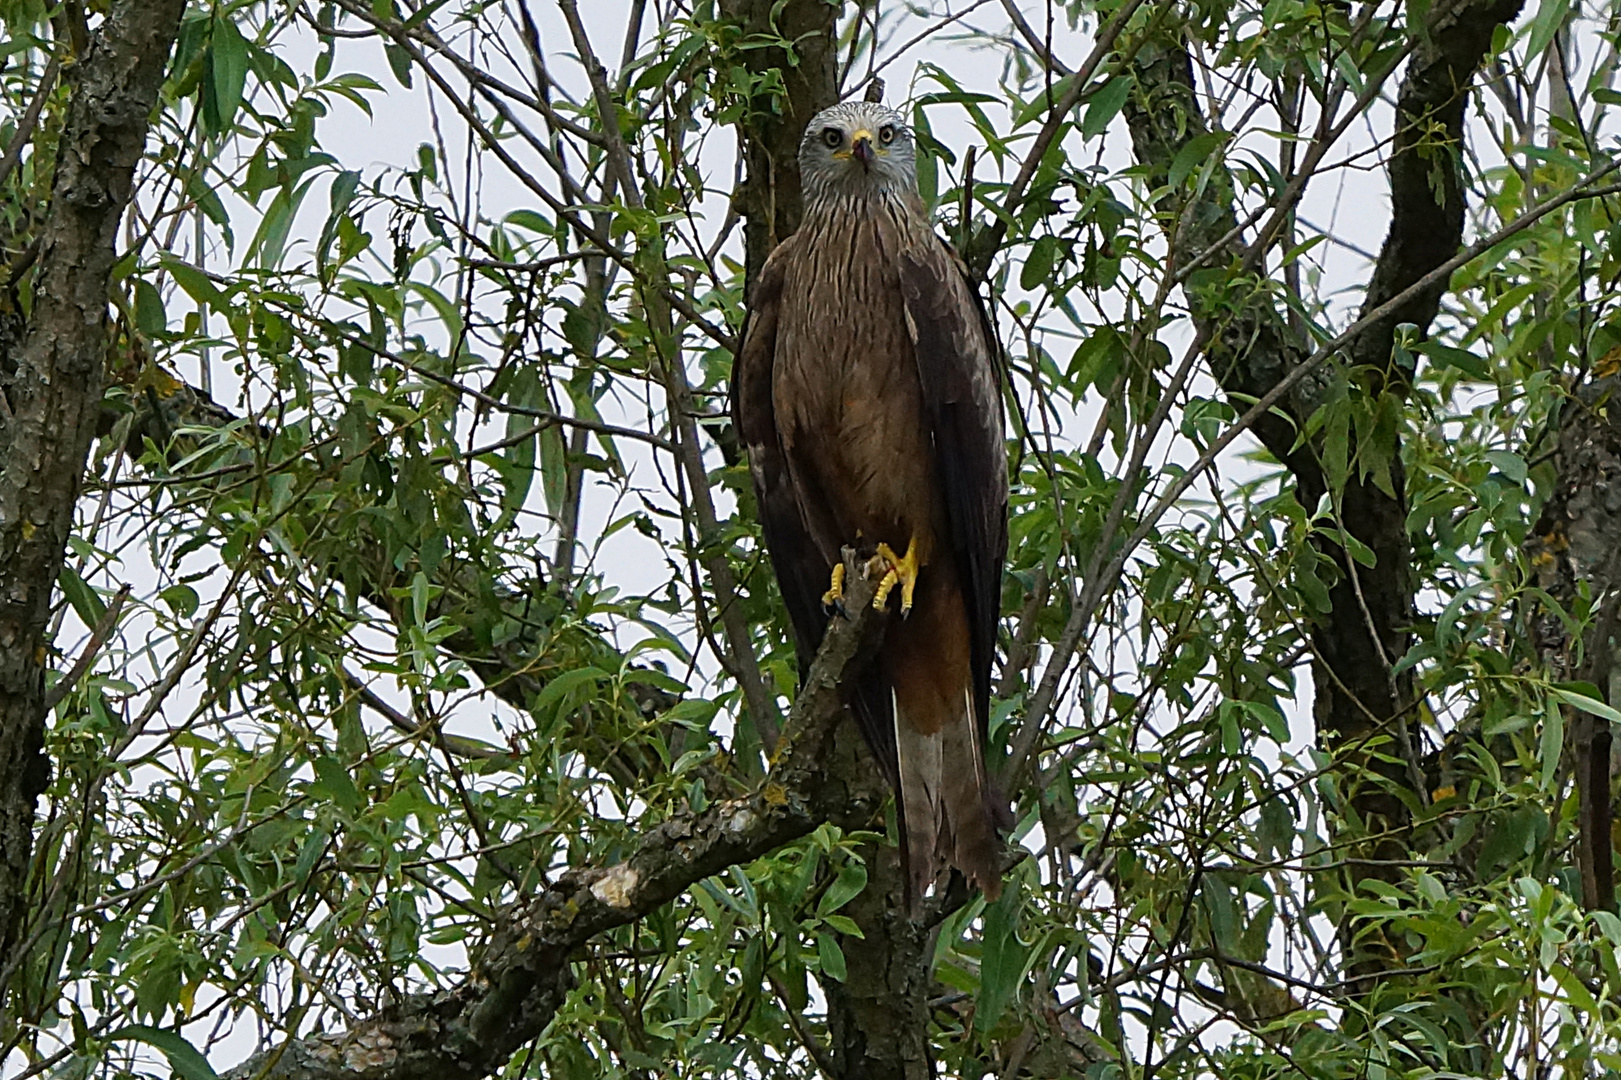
(945, 814)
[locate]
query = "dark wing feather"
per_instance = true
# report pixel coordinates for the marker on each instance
(802, 573)
(959, 370)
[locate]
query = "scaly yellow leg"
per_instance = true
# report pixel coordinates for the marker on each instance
(897, 570)
(834, 597)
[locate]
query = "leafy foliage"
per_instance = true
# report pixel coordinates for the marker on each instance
(445, 576)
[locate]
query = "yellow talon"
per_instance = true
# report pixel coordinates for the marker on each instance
(834, 597)
(897, 570)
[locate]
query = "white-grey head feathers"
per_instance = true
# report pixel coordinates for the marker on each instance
(857, 148)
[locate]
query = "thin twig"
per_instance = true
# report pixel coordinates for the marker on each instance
(607, 111)
(1080, 83)
(30, 118)
(98, 637)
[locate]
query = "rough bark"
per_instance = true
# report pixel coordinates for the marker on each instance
(525, 970)
(50, 402)
(1576, 547)
(1360, 703)
(878, 1019)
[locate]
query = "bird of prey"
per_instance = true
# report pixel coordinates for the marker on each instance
(867, 391)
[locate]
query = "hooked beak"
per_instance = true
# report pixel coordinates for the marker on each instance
(861, 148)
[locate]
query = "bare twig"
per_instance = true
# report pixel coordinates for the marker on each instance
(98, 637)
(30, 119)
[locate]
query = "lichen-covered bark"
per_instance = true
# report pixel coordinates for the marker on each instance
(51, 397)
(525, 970)
(1356, 643)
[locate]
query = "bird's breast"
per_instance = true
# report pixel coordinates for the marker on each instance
(849, 404)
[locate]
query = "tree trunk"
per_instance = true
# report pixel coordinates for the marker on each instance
(772, 202)
(878, 1017)
(50, 403)
(1362, 707)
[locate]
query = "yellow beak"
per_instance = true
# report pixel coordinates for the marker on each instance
(861, 147)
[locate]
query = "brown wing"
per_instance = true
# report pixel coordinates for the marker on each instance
(802, 572)
(959, 370)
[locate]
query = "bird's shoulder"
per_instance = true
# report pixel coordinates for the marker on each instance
(787, 252)
(765, 295)
(937, 284)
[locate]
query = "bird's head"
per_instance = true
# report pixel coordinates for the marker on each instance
(857, 148)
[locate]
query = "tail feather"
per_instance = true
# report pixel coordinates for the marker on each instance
(945, 815)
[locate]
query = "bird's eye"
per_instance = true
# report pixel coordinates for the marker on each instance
(833, 137)
(886, 134)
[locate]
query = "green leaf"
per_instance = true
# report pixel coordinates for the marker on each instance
(270, 241)
(150, 318)
(421, 594)
(1446, 624)
(1584, 696)
(1192, 156)
(1461, 359)
(518, 462)
(334, 782)
(830, 956)
(193, 282)
(1509, 840)
(1549, 18)
(1038, 265)
(341, 194)
(182, 600)
(1225, 929)
(1042, 100)
(846, 887)
(1553, 743)
(559, 685)
(184, 1058)
(531, 220)
(399, 62)
(228, 56)
(1002, 957)
(85, 601)
(554, 469)
(844, 925)
(1301, 248)
(1104, 105)
(1509, 464)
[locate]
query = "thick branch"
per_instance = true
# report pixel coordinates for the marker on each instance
(1576, 548)
(1253, 351)
(770, 201)
(525, 970)
(1426, 224)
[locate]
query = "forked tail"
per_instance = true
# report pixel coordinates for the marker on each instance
(945, 815)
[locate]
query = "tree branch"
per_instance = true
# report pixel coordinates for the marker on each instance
(524, 970)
